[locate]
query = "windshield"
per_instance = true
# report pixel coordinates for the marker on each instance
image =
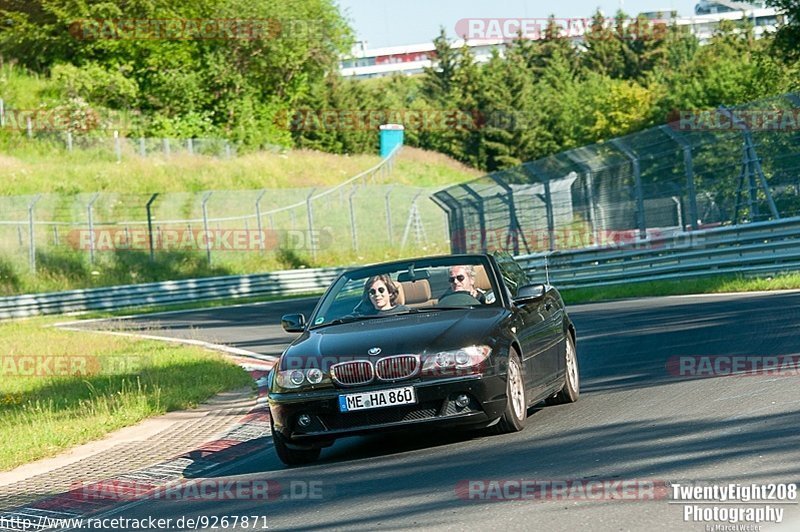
(407, 287)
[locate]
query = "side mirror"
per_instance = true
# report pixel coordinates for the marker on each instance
(530, 292)
(293, 323)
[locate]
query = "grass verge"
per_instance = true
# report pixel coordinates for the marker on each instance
(710, 285)
(24, 170)
(62, 388)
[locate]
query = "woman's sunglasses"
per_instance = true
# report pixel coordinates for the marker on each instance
(373, 291)
(459, 277)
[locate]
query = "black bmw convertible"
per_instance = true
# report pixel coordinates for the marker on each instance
(452, 341)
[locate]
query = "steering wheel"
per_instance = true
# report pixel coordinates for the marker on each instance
(457, 299)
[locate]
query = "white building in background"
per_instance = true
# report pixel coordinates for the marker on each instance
(413, 58)
(708, 7)
(408, 59)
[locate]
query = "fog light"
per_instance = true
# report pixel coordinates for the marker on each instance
(462, 401)
(304, 420)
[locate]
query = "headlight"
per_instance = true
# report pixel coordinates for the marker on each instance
(294, 379)
(459, 361)
(314, 376)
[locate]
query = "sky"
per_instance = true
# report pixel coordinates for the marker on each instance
(399, 22)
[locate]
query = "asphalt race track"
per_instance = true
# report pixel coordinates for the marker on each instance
(636, 422)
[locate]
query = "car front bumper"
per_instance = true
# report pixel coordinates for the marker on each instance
(435, 407)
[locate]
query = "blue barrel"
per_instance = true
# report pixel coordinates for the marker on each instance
(391, 138)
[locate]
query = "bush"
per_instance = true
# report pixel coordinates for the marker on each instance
(93, 82)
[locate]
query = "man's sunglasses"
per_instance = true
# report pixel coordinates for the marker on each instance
(373, 291)
(459, 277)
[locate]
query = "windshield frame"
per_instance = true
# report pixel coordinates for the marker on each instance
(365, 272)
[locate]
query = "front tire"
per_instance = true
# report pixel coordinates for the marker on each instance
(292, 457)
(571, 390)
(516, 412)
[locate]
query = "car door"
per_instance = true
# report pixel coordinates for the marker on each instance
(533, 338)
(535, 330)
(553, 316)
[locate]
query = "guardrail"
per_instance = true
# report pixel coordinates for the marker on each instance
(756, 248)
(280, 283)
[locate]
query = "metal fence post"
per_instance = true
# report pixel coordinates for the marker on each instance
(751, 169)
(55, 235)
(69, 141)
(142, 151)
(150, 226)
(588, 173)
(31, 236)
(165, 142)
(190, 146)
(388, 214)
(477, 204)
(29, 127)
(227, 150)
(89, 209)
(415, 220)
(515, 229)
(637, 182)
(117, 147)
(551, 229)
(689, 169)
(2, 113)
(310, 213)
(204, 204)
(353, 219)
(258, 219)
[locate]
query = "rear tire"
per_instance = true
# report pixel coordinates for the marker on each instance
(516, 412)
(571, 390)
(292, 457)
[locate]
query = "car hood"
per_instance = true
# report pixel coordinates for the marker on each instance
(407, 333)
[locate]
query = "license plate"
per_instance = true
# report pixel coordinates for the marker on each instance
(377, 399)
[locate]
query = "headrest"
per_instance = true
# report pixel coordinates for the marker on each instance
(418, 291)
(401, 295)
(481, 279)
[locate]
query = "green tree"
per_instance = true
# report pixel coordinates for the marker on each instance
(438, 80)
(605, 49)
(787, 39)
(234, 79)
